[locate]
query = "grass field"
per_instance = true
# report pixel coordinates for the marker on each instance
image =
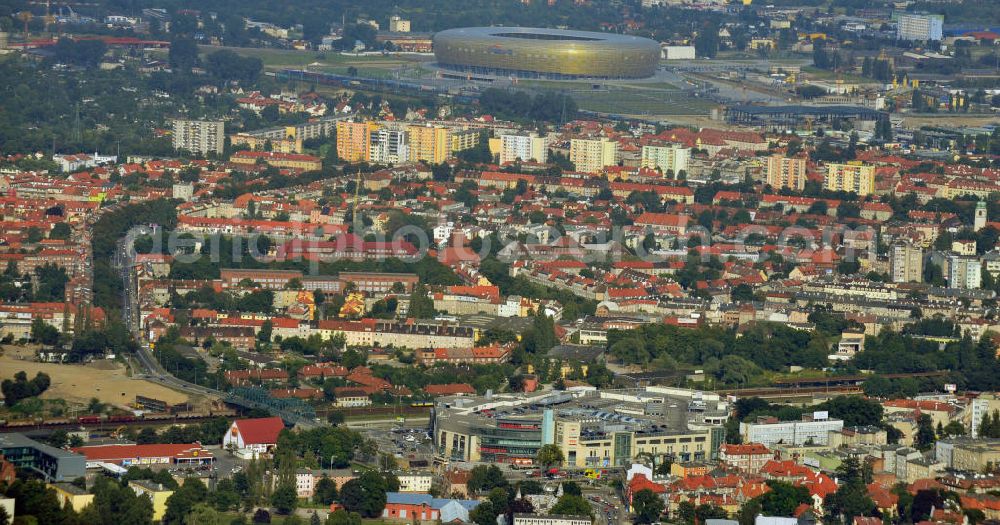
(286, 58)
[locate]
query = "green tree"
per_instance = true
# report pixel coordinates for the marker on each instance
(421, 305)
(326, 491)
(572, 505)
(851, 498)
(284, 498)
(485, 478)
(647, 506)
(549, 455)
(365, 495)
(266, 329)
(783, 498)
(61, 231)
(926, 436)
(180, 503)
(342, 517)
(183, 54)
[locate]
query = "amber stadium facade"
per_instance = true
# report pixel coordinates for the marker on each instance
(526, 52)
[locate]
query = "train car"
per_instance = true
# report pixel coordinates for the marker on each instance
(88, 420)
(157, 417)
(422, 404)
(121, 419)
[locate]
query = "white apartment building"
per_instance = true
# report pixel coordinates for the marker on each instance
(415, 481)
(666, 158)
(389, 146)
(791, 432)
(964, 272)
(199, 136)
(523, 147)
(920, 27)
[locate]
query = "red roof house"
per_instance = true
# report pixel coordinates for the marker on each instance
(253, 436)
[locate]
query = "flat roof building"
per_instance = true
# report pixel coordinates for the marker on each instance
(51, 463)
(593, 428)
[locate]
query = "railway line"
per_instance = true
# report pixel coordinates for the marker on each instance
(110, 422)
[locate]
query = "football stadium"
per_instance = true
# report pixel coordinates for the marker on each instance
(527, 52)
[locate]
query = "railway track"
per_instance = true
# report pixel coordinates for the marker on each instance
(109, 424)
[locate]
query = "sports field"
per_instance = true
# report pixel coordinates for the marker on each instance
(274, 59)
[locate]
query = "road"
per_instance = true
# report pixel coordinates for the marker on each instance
(124, 261)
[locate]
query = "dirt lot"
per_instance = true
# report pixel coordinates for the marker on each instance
(916, 121)
(105, 380)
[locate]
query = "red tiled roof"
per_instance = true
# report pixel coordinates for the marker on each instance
(113, 453)
(749, 448)
(260, 431)
(449, 389)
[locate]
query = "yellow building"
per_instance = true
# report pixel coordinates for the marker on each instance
(463, 139)
(429, 143)
(289, 144)
(156, 493)
(763, 43)
(354, 140)
(496, 145)
(592, 155)
(853, 176)
(784, 172)
(688, 469)
(294, 161)
(71, 495)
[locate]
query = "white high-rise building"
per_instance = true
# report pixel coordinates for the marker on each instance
(920, 27)
(666, 157)
(389, 146)
(199, 136)
(964, 272)
(523, 147)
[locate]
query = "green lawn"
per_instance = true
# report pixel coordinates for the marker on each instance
(281, 58)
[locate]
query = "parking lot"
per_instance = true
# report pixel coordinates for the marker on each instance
(408, 444)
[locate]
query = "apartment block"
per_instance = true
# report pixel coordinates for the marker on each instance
(920, 27)
(430, 144)
(852, 176)
(389, 146)
(522, 147)
(786, 172)
(592, 155)
(808, 431)
(964, 272)
(199, 136)
(907, 263)
(354, 140)
(668, 158)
